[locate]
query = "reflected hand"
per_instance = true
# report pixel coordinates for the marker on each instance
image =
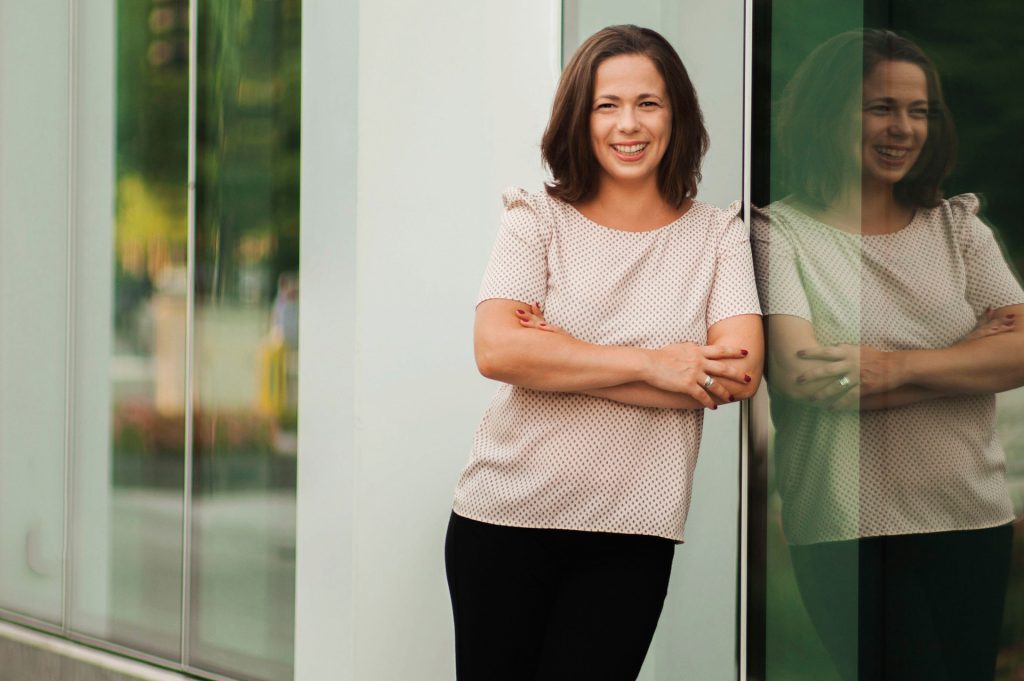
(990, 324)
(849, 371)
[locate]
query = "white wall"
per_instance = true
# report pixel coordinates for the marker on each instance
(415, 117)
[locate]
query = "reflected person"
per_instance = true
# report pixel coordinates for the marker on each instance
(890, 316)
(566, 517)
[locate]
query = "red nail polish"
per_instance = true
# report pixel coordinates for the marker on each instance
(714, 406)
(801, 353)
(543, 324)
(731, 398)
(746, 378)
(744, 353)
(520, 311)
(1010, 316)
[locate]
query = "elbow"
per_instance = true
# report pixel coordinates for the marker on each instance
(491, 362)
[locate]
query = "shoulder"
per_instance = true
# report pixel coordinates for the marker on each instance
(956, 209)
(717, 220)
(957, 215)
(774, 220)
(534, 211)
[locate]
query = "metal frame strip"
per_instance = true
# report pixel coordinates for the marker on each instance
(70, 314)
(190, 327)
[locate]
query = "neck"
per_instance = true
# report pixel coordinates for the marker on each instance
(868, 209)
(637, 206)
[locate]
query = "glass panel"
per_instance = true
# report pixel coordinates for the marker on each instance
(129, 483)
(34, 161)
(247, 279)
(884, 501)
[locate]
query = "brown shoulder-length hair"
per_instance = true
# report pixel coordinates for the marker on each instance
(814, 117)
(566, 147)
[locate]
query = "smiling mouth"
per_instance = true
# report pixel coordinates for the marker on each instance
(893, 153)
(630, 149)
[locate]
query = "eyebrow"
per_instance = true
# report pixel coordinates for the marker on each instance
(642, 95)
(892, 100)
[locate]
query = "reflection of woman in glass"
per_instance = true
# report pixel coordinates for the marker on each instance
(890, 316)
(561, 541)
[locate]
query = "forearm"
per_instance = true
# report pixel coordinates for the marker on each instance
(900, 397)
(641, 394)
(984, 365)
(555, 362)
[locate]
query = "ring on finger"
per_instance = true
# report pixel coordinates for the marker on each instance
(708, 382)
(844, 382)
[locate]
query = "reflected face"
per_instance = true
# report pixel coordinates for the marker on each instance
(630, 122)
(894, 121)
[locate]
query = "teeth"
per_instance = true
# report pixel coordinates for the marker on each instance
(891, 153)
(631, 149)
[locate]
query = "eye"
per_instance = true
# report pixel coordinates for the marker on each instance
(879, 109)
(649, 104)
(604, 105)
(920, 112)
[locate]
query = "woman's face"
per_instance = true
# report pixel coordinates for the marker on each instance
(630, 122)
(894, 121)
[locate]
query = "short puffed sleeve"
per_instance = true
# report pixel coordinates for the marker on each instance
(990, 281)
(733, 291)
(776, 266)
(518, 268)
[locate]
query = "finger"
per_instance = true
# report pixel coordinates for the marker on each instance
(830, 353)
(831, 389)
(829, 370)
(989, 314)
(722, 370)
(723, 352)
(716, 389)
(701, 395)
(535, 308)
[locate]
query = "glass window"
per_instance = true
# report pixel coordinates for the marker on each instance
(247, 339)
(34, 115)
(886, 509)
(169, 384)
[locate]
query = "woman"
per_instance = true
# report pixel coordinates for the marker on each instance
(890, 318)
(565, 519)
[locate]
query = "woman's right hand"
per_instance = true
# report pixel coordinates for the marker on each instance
(686, 367)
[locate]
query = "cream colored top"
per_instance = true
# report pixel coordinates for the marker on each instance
(571, 461)
(927, 467)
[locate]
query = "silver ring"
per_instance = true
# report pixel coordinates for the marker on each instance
(708, 382)
(844, 382)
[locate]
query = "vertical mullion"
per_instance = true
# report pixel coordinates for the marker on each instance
(69, 312)
(190, 312)
(744, 506)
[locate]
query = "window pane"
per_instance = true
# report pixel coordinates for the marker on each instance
(34, 111)
(247, 283)
(888, 523)
(129, 486)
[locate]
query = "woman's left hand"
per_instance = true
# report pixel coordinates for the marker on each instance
(534, 319)
(857, 370)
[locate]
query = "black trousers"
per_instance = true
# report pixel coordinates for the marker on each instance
(546, 605)
(909, 607)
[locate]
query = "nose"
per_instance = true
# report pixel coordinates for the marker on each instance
(627, 119)
(899, 125)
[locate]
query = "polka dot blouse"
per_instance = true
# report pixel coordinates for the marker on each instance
(927, 467)
(573, 461)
